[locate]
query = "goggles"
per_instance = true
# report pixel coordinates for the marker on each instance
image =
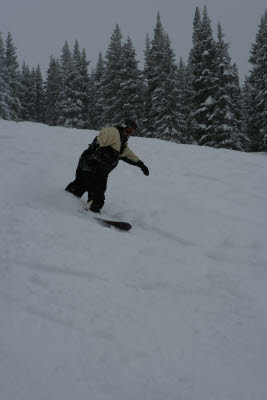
(129, 130)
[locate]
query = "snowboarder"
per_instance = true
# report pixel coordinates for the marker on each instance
(101, 157)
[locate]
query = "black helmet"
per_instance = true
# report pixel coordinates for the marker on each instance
(129, 123)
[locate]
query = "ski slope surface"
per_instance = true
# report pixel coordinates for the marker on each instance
(175, 309)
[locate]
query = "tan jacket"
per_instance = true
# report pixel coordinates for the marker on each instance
(111, 137)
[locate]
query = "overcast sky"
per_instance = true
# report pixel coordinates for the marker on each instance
(40, 27)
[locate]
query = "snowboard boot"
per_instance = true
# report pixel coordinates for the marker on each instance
(91, 207)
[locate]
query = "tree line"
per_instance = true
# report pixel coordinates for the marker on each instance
(199, 101)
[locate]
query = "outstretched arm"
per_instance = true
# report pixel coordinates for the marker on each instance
(129, 157)
(139, 164)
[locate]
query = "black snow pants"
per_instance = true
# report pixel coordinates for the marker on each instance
(93, 181)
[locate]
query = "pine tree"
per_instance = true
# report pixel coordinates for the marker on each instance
(53, 86)
(32, 104)
(68, 107)
(153, 73)
(236, 95)
(227, 115)
(194, 57)
(204, 70)
(64, 104)
(258, 92)
(165, 98)
(27, 94)
(91, 100)
(96, 103)
(39, 95)
(78, 88)
(147, 128)
(194, 54)
(112, 79)
(162, 90)
(12, 78)
(131, 90)
(247, 111)
(85, 88)
(184, 103)
(196, 26)
(5, 90)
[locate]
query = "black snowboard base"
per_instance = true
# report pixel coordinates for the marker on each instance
(122, 226)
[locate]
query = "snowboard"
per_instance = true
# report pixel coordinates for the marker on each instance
(122, 226)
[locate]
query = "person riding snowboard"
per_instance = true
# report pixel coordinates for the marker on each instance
(101, 157)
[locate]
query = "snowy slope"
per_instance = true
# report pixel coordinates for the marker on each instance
(174, 309)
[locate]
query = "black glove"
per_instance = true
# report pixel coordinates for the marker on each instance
(143, 167)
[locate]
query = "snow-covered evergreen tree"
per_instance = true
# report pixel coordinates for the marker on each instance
(96, 103)
(184, 81)
(147, 128)
(5, 90)
(196, 26)
(79, 86)
(39, 95)
(27, 94)
(65, 104)
(227, 117)
(247, 111)
(236, 95)
(203, 60)
(70, 104)
(12, 78)
(91, 99)
(154, 76)
(216, 112)
(85, 88)
(257, 117)
(32, 103)
(112, 79)
(117, 84)
(131, 90)
(193, 54)
(161, 86)
(52, 92)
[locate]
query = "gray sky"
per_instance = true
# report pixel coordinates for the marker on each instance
(40, 27)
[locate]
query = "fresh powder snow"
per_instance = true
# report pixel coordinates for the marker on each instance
(174, 309)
